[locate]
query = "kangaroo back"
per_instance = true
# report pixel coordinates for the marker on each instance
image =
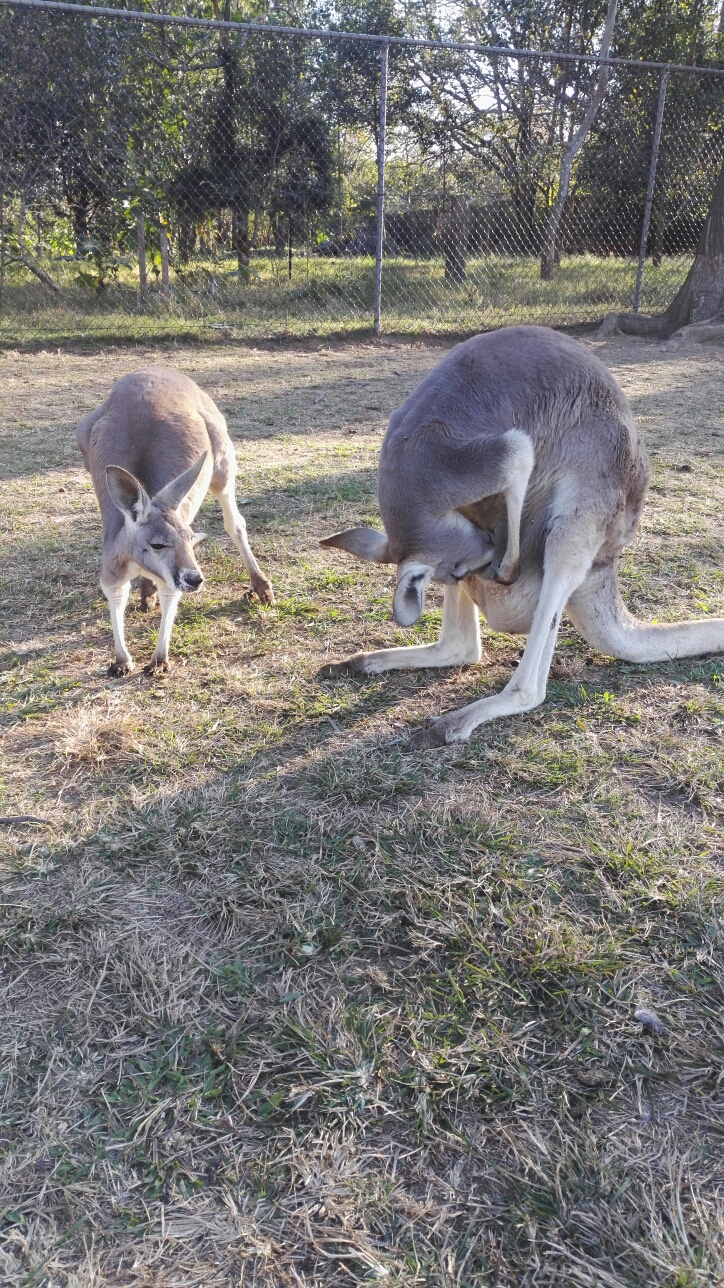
(154, 424)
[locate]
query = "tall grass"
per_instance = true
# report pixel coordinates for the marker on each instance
(327, 295)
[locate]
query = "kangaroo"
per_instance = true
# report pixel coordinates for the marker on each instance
(153, 450)
(441, 461)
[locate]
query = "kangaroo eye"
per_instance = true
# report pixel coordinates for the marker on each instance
(157, 545)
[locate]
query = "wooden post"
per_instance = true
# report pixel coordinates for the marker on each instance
(141, 248)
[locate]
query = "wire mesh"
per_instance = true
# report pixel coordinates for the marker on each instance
(157, 179)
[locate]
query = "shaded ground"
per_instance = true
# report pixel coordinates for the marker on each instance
(284, 1006)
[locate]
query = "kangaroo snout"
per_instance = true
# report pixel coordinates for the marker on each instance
(189, 580)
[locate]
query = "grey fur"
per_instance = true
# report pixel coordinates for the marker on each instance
(444, 459)
(153, 449)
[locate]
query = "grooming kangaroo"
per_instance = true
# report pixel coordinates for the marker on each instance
(153, 449)
(448, 453)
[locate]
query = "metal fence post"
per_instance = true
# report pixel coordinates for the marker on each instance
(650, 189)
(380, 230)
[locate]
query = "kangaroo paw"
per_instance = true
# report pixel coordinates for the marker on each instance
(155, 667)
(351, 666)
(262, 589)
(426, 739)
(120, 668)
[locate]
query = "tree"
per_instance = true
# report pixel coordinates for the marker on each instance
(573, 147)
(260, 146)
(697, 310)
(512, 114)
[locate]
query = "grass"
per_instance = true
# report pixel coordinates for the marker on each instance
(284, 1005)
(327, 297)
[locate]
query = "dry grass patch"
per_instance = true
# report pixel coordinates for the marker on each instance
(283, 1005)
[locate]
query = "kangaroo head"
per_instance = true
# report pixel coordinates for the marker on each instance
(159, 540)
(445, 549)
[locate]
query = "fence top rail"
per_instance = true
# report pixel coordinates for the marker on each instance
(269, 29)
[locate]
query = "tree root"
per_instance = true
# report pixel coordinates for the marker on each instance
(659, 329)
(633, 324)
(698, 332)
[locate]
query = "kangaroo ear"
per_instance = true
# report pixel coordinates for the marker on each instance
(171, 496)
(127, 493)
(365, 543)
(409, 599)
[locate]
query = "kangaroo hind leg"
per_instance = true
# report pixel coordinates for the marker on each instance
(598, 612)
(149, 594)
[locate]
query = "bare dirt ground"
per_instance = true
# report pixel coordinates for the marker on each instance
(283, 1005)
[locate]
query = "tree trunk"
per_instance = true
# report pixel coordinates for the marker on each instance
(240, 242)
(186, 238)
(81, 232)
(571, 150)
(141, 249)
(700, 298)
(163, 247)
(455, 240)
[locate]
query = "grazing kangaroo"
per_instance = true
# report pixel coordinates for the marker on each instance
(447, 456)
(153, 449)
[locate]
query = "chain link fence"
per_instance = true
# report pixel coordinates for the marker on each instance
(163, 176)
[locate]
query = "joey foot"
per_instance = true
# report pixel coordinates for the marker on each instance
(149, 595)
(119, 668)
(156, 667)
(501, 574)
